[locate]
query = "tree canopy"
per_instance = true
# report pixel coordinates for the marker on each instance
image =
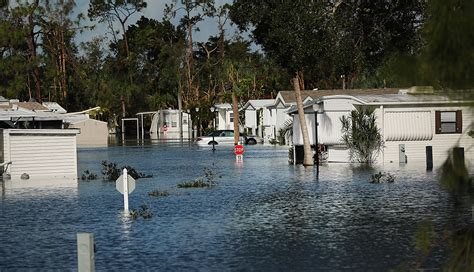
(150, 64)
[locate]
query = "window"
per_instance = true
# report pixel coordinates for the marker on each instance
(448, 122)
(231, 117)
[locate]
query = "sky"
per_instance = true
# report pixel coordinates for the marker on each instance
(153, 10)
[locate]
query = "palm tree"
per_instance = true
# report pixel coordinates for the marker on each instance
(308, 155)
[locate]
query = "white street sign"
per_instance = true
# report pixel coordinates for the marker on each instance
(119, 184)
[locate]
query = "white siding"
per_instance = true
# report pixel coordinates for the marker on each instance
(250, 119)
(338, 105)
(222, 123)
(408, 125)
(281, 118)
(338, 154)
(47, 154)
(267, 117)
(441, 143)
(329, 130)
(297, 135)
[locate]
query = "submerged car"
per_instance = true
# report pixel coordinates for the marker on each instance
(223, 137)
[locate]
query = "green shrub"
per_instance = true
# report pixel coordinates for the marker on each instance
(88, 175)
(382, 177)
(112, 172)
(206, 180)
(144, 212)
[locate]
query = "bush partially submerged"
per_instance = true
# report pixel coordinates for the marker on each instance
(206, 180)
(144, 212)
(112, 172)
(158, 193)
(382, 177)
(88, 175)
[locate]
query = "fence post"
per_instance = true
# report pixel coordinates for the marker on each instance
(85, 252)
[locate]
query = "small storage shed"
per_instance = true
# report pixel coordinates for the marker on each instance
(93, 133)
(40, 153)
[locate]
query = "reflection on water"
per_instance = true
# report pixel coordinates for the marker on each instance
(263, 215)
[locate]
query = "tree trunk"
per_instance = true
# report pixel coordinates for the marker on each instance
(308, 155)
(235, 110)
(190, 64)
(180, 115)
(122, 101)
(32, 51)
(63, 67)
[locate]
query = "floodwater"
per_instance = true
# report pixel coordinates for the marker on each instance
(264, 215)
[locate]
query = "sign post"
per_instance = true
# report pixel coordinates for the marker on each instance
(239, 152)
(125, 184)
(125, 191)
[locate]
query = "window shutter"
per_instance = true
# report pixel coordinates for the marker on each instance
(437, 122)
(458, 121)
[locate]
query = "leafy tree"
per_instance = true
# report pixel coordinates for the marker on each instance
(15, 69)
(361, 135)
(110, 11)
(194, 12)
(326, 39)
(59, 50)
(156, 49)
(365, 34)
(445, 60)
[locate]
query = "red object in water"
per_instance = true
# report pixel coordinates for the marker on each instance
(239, 150)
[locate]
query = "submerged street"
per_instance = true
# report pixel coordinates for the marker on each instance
(263, 215)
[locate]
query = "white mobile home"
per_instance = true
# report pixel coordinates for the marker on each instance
(225, 116)
(410, 124)
(254, 115)
(165, 124)
(279, 114)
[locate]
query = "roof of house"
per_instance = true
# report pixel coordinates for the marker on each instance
(34, 106)
(288, 97)
(223, 106)
(256, 104)
(54, 107)
(390, 99)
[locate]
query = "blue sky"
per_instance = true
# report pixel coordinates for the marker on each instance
(154, 10)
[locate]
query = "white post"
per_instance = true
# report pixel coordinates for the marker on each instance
(125, 191)
(85, 252)
(239, 158)
(143, 130)
(138, 133)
